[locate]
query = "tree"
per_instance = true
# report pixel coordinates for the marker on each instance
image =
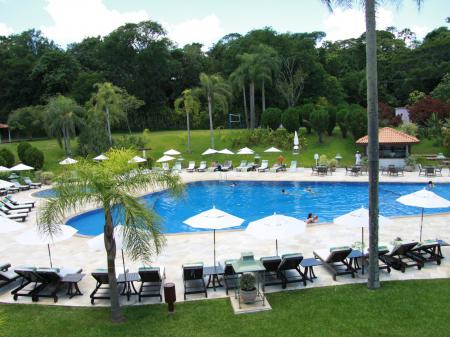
(8, 157)
(304, 115)
(422, 110)
(93, 138)
(290, 119)
(319, 121)
(341, 120)
(130, 104)
(62, 118)
(111, 184)
(271, 118)
(34, 158)
(290, 81)
(28, 120)
(187, 104)
(238, 80)
(356, 120)
(216, 91)
(442, 90)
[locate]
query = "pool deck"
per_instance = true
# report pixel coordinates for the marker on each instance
(193, 247)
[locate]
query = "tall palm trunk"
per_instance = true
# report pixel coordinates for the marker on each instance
(108, 126)
(188, 132)
(110, 245)
(66, 141)
(373, 149)
(252, 105)
(245, 105)
(263, 96)
(211, 129)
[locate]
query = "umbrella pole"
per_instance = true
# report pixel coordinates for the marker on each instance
(362, 248)
(421, 224)
(49, 255)
(124, 269)
(276, 245)
(214, 248)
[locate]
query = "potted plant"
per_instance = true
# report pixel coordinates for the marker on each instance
(248, 289)
(410, 163)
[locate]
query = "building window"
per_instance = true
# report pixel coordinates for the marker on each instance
(392, 151)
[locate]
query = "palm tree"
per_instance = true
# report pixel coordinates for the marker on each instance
(62, 118)
(111, 184)
(237, 80)
(188, 104)
(217, 91)
(372, 120)
(268, 63)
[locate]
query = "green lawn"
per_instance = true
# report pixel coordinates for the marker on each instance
(164, 140)
(401, 308)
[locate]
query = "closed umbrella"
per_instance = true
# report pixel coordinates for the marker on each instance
(172, 152)
(21, 167)
(164, 159)
(101, 157)
(8, 225)
(68, 161)
(424, 199)
(360, 218)
(296, 142)
(213, 219)
(137, 160)
(273, 150)
(225, 151)
(34, 238)
(209, 151)
(276, 226)
(246, 150)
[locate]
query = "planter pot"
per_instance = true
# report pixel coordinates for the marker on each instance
(248, 296)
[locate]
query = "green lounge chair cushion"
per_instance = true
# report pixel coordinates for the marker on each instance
(428, 242)
(56, 270)
(227, 262)
(337, 249)
(148, 268)
(383, 248)
(101, 270)
(193, 264)
(247, 256)
(291, 255)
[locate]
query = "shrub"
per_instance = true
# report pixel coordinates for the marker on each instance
(304, 115)
(319, 121)
(356, 119)
(386, 115)
(8, 157)
(21, 148)
(421, 111)
(323, 160)
(47, 177)
(34, 157)
(92, 139)
(290, 119)
(2, 162)
(411, 129)
(271, 118)
(247, 282)
(129, 142)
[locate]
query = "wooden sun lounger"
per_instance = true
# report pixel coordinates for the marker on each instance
(55, 278)
(427, 251)
(400, 257)
(230, 277)
(31, 283)
(151, 282)
(335, 260)
(193, 279)
(7, 276)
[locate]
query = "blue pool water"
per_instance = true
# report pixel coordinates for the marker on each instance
(254, 200)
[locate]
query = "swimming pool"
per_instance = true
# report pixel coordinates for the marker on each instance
(253, 200)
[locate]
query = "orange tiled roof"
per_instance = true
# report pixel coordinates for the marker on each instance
(391, 136)
(3, 126)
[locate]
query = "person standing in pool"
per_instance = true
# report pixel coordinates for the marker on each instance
(430, 185)
(357, 158)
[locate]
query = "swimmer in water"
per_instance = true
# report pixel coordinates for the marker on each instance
(430, 185)
(233, 185)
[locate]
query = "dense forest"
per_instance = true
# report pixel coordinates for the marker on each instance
(262, 69)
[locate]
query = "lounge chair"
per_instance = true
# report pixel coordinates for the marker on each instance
(242, 166)
(230, 278)
(8, 211)
(271, 263)
(264, 166)
(293, 167)
(7, 276)
(176, 167)
(193, 279)
(422, 171)
(191, 166)
(55, 278)
(10, 206)
(15, 216)
(30, 183)
(278, 168)
(202, 167)
(20, 203)
(20, 186)
(314, 170)
(335, 260)
(427, 251)
(101, 291)
(3, 192)
(227, 166)
(438, 171)
(12, 189)
(151, 282)
(31, 283)
(283, 270)
(400, 257)
(165, 167)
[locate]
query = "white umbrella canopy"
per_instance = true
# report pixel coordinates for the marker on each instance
(225, 151)
(101, 157)
(5, 184)
(137, 160)
(97, 243)
(209, 151)
(68, 161)
(172, 152)
(213, 219)
(273, 149)
(8, 225)
(34, 238)
(246, 150)
(21, 167)
(164, 159)
(276, 226)
(423, 199)
(4, 169)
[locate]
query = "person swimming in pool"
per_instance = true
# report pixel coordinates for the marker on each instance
(312, 218)
(430, 185)
(233, 184)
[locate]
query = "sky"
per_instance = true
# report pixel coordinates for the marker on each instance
(206, 21)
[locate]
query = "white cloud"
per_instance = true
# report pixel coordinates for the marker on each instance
(420, 31)
(350, 23)
(74, 20)
(206, 30)
(5, 30)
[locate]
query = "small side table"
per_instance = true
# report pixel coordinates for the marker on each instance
(128, 285)
(72, 281)
(353, 259)
(309, 265)
(213, 276)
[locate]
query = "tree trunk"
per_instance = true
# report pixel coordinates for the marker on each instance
(66, 141)
(211, 129)
(128, 123)
(245, 106)
(252, 105)
(110, 246)
(188, 132)
(263, 96)
(108, 126)
(373, 147)
(320, 137)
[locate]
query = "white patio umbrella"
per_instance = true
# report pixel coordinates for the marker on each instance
(273, 149)
(101, 157)
(4, 169)
(68, 161)
(8, 225)
(225, 151)
(34, 238)
(360, 218)
(213, 219)
(296, 142)
(276, 226)
(164, 159)
(209, 151)
(5, 184)
(246, 150)
(21, 167)
(172, 152)
(137, 160)
(424, 199)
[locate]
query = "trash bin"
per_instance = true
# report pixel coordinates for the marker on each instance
(170, 296)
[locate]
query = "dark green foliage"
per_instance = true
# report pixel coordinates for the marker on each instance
(332, 116)
(21, 149)
(304, 115)
(27, 121)
(290, 119)
(34, 158)
(341, 121)
(129, 142)
(92, 139)
(279, 138)
(356, 119)
(319, 120)
(3, 163)
(8, 157)
(271, 118)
